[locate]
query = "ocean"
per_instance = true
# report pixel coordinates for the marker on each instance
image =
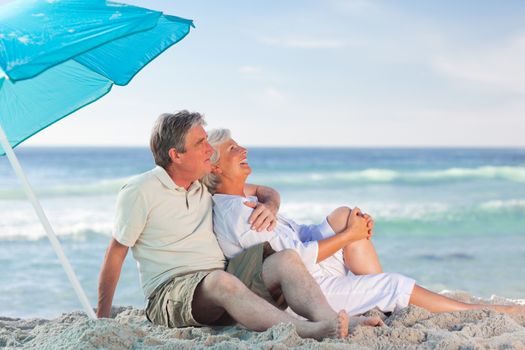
(453, 219)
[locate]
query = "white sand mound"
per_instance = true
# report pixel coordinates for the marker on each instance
(410, 328)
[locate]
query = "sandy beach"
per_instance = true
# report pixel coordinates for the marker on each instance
(410, 328)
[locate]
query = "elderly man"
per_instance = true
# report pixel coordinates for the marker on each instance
(165, 216)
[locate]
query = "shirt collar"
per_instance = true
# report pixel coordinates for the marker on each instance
(168, 182)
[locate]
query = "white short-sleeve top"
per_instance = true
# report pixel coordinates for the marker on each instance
(234, 233)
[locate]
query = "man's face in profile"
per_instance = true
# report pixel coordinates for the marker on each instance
(196, 159)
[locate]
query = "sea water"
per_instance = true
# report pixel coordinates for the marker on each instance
(453, 219)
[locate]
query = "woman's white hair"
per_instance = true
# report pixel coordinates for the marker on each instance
(216, 137)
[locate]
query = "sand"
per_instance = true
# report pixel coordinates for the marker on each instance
(410, 328)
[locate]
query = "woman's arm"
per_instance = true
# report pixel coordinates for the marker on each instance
(357, 228)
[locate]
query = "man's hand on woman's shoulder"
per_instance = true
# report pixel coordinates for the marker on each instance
(264, 216)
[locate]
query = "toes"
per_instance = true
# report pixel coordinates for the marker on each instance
(372, 321)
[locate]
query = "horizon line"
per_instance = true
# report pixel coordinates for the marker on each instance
(302, 146)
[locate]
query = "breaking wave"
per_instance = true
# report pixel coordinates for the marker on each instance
(82, 217)
(97, 188)
(506, 173)
(336, 178)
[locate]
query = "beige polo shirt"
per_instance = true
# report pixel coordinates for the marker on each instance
(169, 229)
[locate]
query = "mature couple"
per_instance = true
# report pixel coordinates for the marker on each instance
(165, 216)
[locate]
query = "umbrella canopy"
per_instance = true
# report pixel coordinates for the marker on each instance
(57, 56)
(60, 55)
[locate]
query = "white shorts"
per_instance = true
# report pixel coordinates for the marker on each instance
(356, 294)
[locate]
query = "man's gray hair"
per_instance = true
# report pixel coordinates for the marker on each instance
(216, 137)
(169, 131)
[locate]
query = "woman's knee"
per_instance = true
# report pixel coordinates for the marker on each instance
(338, 218)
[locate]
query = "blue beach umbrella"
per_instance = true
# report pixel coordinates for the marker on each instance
(57, 56)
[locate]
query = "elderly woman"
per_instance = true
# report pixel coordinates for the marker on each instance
(330, 250)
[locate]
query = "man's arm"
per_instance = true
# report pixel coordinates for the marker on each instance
(109, 276)
(265, 214)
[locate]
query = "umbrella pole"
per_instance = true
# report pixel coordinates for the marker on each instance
(45, 223)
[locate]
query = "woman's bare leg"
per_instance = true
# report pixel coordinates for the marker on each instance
(360, 257)
(434, 302)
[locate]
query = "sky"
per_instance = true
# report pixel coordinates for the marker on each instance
(345, 73)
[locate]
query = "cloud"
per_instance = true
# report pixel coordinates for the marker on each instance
(274, 94)
(499, 67)
(303, 42)
(259, 75)
(250, 70)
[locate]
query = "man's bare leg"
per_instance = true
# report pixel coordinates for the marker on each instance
(301, 291)
(221, 292)
(434, 302)
(360, 256)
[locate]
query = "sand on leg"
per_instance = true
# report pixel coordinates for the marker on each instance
(285, 271)
(221, 292)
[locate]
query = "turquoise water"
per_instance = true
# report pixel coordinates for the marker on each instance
(451, 218)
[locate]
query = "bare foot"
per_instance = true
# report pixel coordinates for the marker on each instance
(372, 321)
(508, 309)
(334, 328)
(342, 324)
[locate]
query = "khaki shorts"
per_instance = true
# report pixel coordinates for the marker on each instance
(170, 304)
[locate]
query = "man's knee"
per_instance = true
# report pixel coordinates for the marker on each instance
(280, 262)
(222, 284)
(280, 266)
(287, 256)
